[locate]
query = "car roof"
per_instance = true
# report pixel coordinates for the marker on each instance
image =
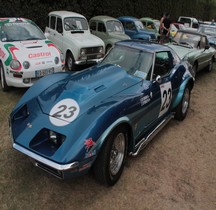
(13, 19)
(103, 18)
(144, 45)
(127, 18)
(65, 14)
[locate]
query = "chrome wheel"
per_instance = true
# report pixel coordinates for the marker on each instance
(117, 154)
(185, 101)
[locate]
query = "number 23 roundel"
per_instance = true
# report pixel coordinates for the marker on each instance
(64, 112)
(166, 97)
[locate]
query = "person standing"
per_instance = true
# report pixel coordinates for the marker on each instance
(163, 16)
(166, 28)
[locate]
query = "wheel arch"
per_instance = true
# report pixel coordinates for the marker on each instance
(122, 122)
(188, 82)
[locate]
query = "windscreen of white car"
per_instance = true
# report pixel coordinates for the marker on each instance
(20, 31)
(75, 24)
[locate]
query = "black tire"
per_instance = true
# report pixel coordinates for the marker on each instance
(109, 164)
(183, 106)
(194, 70)
(4, 85)
(210, 66)
(69, 62)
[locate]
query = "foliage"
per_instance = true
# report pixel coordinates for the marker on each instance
(37, 10)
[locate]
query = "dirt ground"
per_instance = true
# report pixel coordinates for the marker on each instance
(177, 170)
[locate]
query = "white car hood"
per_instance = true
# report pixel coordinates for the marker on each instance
(34, 50)
(85, 39)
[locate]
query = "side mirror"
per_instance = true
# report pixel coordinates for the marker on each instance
(207, 47)
(158, 79)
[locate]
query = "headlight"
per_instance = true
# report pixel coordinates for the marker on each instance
(82, 52)
(26, 64)
(15, 64)
(101, 49)
(56, 60)
(22, 113)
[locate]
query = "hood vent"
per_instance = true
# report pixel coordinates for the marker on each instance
(39, 46)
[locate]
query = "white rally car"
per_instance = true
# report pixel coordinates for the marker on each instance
(25, 53)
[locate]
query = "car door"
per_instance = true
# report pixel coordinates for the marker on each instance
(101, 32)
(204, 54)
(130, 28)
(55, 31)
(159, 91)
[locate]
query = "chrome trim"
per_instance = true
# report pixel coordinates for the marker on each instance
(142, 144)
(46, 161)
(87, 61)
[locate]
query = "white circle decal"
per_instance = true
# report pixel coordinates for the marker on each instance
(64, 112)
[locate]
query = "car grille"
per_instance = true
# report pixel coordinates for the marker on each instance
(92, 50)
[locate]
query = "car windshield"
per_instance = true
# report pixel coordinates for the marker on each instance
(211, 31)
(75, 24)
(189, 39)
(20, 31)
(139, 25)
(114, 26)
(135, 62)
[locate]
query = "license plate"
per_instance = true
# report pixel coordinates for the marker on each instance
(41, 73)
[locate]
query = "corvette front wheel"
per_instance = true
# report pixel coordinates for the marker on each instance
(182, 108)
(109, 165)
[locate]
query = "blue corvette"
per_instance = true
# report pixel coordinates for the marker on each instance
(69, 123)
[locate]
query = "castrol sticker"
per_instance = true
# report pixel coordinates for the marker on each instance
(64, 112)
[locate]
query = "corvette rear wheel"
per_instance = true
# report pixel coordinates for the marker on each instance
(4, 85)
(182, 108)
(109, 165)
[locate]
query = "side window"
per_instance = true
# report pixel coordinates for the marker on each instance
(59, 26)
(195, 25)
(52, 22)
(93, 26)
(144, 23)
(130, 26)
(163, 63)
(101, 27)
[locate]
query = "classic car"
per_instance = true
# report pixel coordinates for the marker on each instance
(189, 22)
(109, 29)
(151, 24)
(25, 53)
(71, 34)
(135, 29)
(194, 47)
(210, 32)
(93, 118)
